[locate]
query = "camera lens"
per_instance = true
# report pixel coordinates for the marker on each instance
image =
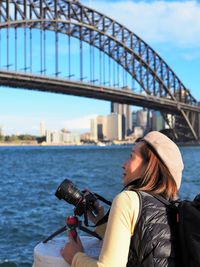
(69, 192)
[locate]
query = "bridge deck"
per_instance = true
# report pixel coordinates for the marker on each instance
(63, 86)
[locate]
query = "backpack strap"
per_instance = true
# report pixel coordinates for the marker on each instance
(171, 204)
(162, 199)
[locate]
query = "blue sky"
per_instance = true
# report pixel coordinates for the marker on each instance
(172, 28)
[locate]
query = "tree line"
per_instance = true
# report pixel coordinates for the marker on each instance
(22, 137)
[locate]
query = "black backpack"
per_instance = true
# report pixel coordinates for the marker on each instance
(188, 229)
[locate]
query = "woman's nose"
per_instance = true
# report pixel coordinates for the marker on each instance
(124, 165)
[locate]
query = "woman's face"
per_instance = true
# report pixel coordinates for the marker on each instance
(134, 167)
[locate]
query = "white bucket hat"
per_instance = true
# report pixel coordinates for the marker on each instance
(168, 152)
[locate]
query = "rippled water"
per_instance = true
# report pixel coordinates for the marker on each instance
(29, 176)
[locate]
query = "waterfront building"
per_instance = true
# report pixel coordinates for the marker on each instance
(42, 129)
(138, 132)
(106, 127)
(158, 122)
(56, 137)
(75, 138)
(85, 137)
(101, 127)
(114, 127)
(48, 137)
(71, 138)
(93, 129)
(171, 121)
(128, 118)
(134, 119)
(62, 137)
(141, 117)
(125, 112)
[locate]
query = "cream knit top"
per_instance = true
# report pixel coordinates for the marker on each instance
(120, 227)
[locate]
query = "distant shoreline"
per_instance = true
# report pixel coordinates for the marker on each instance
(188, 144)
(84, 144)
(35, 144)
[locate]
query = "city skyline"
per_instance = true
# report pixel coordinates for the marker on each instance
(143, 118)
(160, 26)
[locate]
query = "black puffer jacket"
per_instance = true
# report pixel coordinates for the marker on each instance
(153, 242)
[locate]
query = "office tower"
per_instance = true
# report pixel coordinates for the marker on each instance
(125, 112)
(48, 137)
(102, 127)
(114, 127)
(98, 128)
(171, 121)
(71, 137)
(62, 137)
(42, 129)
(158, 122)
(85, 136)
(141, 116)
(134, 119)
(128, 119)
(56, 137)
(107, 127)
(93, 129)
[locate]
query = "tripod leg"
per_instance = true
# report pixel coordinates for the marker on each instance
(59, 231)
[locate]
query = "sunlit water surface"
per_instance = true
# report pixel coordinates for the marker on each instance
(29, 176)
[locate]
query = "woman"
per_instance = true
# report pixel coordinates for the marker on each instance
(139, 231)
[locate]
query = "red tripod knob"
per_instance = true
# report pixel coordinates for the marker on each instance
(72, 223)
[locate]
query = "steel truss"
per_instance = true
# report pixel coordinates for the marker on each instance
(137, 58)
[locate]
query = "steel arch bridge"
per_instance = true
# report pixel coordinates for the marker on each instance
(117, 62)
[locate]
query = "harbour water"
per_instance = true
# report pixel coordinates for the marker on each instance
(29, 176)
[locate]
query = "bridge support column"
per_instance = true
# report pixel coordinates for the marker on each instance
(198, 125)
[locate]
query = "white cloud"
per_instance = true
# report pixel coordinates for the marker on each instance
(175, 22)
(22, 124)
(79, 124)
(28, 124)
(191, 55)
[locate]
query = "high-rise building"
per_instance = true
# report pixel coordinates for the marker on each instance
(102, 127)
(114, 127)
(85, 136)
(107, 127)
(57, 137)
(125, 112)
(171, 121)
(48, 137)
(141, 116)
(158, 122)
(98, 128)
(138, 132)
(62, 137)
(128, 118)
(71, 137)
(42, 129)
(134, 119)
(93, 129)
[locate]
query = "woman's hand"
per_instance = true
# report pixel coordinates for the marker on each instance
(100, 214)
(71, 248)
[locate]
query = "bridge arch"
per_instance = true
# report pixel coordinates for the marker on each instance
(127, 49)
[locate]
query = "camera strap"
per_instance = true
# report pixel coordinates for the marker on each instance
(109, 203)
(105, 218)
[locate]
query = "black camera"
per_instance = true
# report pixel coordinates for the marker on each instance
(82, 200)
